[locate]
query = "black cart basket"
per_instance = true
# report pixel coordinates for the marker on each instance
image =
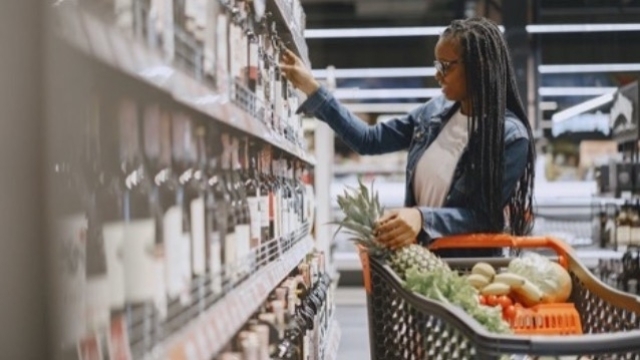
(405, 325)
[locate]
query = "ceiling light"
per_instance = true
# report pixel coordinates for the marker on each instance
(376, 32)
(587, 68)
(573, 28)
(575, 91)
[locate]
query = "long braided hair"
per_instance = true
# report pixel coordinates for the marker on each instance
(491, 88)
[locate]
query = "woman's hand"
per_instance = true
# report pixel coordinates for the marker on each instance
(297, 73)
(399, 228)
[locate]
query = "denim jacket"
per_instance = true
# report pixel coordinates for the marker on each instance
(415, 132)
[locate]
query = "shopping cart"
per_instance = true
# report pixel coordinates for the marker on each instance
(405, 325)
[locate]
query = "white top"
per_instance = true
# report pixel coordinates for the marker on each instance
(434, 172)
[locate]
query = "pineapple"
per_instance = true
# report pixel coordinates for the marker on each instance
(415, 256)
(362, 209)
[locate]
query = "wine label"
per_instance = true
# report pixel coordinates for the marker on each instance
(139, 260)
(209, 63)
(113, 234)
(215, 262)
(172, 231)
(234, 62)
(97, 302)
(243, 250)
(284, 215)
(264, 211)
(623, 234)
(278, 213)
(254, 212)
(634, 236)
(222, 42)
(185, 269)
(160, 295)
(230, 256)
(118, 340)
(198, 237)
(70, 274)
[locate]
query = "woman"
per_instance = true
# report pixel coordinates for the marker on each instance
(471, 152)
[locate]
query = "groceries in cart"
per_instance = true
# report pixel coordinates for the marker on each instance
(532, 293)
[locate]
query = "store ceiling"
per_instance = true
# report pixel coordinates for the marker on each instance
(552, 49)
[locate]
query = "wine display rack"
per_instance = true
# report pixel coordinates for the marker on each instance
(86, 30)
(202, 322)
(204, 329)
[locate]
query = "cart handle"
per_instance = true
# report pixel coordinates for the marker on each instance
(504, 240)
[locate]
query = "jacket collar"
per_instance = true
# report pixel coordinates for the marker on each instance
(448, 109)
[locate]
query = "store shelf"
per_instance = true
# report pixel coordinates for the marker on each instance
(210, 332)
(284, 16)
(102, 41)
(333, 341)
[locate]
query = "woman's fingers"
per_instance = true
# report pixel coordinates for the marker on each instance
(389, 224)
(388, 238)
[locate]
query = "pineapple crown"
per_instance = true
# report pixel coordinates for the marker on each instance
(362, 209)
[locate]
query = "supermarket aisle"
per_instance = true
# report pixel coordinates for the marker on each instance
(352, 314)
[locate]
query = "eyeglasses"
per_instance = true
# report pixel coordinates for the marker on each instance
(443, 66)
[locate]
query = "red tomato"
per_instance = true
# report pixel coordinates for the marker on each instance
(482, 300)
(504, 301)
(492, 300)
(510, 312)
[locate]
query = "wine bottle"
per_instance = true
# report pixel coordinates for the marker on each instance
(252, 186)
(69, 232)
(110, 200)
(230, 245)
(217, 206)
(158, 160)
(264, 204)
(195, 197)
(97, 289)
(243, 225)
(179, 223)
(140, 234)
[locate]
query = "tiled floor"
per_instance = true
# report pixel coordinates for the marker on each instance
(352, 315)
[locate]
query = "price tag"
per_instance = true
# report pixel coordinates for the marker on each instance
(90, 348)
(118, 340)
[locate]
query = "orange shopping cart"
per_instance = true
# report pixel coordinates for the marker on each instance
(405, 325)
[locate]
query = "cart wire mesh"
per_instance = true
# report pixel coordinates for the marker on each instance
(405, 325)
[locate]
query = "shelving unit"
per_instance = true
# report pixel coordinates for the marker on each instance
(222, 321)
(203, 323)
(99, 39)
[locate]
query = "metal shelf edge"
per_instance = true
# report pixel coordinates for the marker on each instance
(225, 318)
(109, 45)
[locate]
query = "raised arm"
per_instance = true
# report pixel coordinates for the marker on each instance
(382, 138)
(389, 136)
